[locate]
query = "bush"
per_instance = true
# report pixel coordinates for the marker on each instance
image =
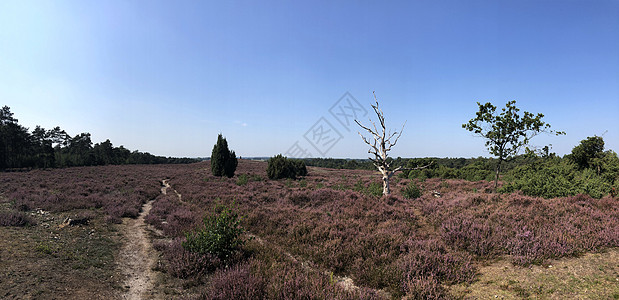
(242, 180)
(372, 189)
(236, 282)
(223, 161)
(220, 235)
(282, 167)
(412, 191)
(559, 178)
(424, 288)
(182, 263)
(15, 218)
(431, 258)
(375, 189)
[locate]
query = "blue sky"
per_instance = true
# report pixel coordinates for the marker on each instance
(167, 77)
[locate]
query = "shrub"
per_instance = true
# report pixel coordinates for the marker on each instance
(412, 191)
(223, 161)
(430, 258)
(557, 178)
(375, 189)
(474, 235)
(15, 218)
(372, 189)
(300, 168)
(424, 288)
(220, 235)
(182, 263)
(242, 180)
(281, 167)
(236, 282)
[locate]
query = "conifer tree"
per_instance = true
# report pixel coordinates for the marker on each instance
(223, 161)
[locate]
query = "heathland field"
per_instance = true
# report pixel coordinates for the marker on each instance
(112, 232)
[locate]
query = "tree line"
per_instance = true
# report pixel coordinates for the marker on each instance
(54, 148)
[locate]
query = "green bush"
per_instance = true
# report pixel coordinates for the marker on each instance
(375, 189)
(372, 189)
(223, 161)
(242, 180)
(411, 191)
(281, 167)
(220, 235)
(557, 177)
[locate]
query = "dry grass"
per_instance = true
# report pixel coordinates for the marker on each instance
(591, 276)
(48, 260)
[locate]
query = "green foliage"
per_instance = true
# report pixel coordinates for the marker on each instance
(223, 161)
(506, 133)
(242, 180)
(481, 170)
(474, 170)
(46, 248)
(372, 189)
(556, 177)
(338, 163)
(55, 148)
(300, 168)
(411, 191)
(588, 152)
(220, 236)
(375, 189)
(281, 167)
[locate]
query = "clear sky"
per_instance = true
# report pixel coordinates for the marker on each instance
(167, 76)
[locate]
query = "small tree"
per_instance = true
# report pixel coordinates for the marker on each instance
(223, 161)
(380, 145)
(507, 132)
(588, 152)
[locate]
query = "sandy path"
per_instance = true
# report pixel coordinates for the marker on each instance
(166, 186)
(137, 256)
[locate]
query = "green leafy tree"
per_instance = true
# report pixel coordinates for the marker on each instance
(223, 161)
(506, 133)
(588, 153)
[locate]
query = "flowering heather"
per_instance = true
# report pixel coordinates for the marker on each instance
(424, 288)
(172, 216)
(185, 264)
(236, 282)
(432, 259)
(331, 221)
(15, 218)
(256, 280)
(119, 191)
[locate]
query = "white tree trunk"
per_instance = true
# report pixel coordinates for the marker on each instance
(386, 190)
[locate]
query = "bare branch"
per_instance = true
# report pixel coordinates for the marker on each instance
(383, 141)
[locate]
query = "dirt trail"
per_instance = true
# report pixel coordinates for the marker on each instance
(166, 186)
(137, 256)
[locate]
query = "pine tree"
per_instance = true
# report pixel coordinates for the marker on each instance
(223, 161)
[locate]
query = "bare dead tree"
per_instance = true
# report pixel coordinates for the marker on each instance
(381, 143)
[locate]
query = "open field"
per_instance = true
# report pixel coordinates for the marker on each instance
(326, 236)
